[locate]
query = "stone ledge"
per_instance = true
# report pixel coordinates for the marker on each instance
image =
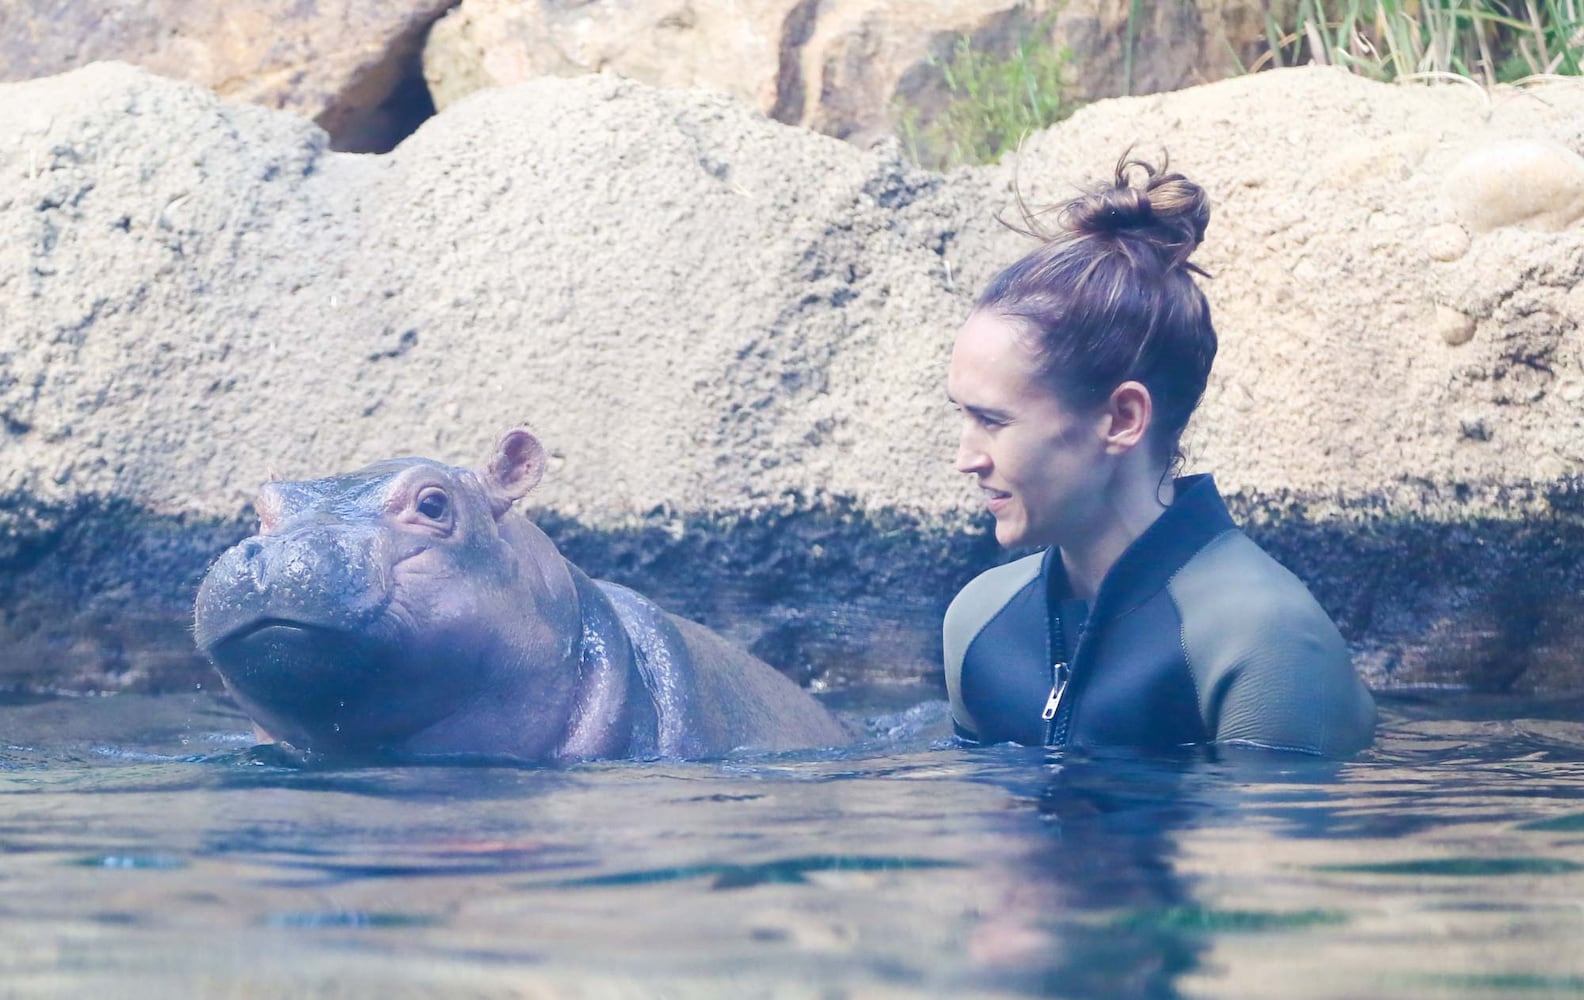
(96, 595)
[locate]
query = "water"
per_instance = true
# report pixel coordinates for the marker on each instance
(149, 851)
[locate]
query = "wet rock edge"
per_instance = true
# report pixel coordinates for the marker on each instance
(96, 595)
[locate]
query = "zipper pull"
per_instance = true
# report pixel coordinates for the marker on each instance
(1053, 701)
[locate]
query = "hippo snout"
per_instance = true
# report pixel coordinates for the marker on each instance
(318, 577)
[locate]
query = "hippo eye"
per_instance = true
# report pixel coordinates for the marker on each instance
(433, 504)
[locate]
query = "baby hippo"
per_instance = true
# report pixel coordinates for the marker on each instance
(406, 608)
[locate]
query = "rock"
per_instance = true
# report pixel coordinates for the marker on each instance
(732, 336)
(724, 45)
(1176, 45)
(837, 66)
(1454, 327)
(339, 62)
(865, 59)
(1393, 157)
(1522, 182)
(1446, 242)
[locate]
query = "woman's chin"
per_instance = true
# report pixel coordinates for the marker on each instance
(1010, 536)
(1019, 534)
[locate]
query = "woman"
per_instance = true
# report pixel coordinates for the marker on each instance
(1148, 619)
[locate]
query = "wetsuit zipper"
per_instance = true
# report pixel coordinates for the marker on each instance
(1061, 672)
(1059, 675)
(1057, 713)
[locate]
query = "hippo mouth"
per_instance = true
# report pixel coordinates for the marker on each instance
(295, 669)
(270, 638)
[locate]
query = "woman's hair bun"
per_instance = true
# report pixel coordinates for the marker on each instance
(1167, 210)
(1109, 295)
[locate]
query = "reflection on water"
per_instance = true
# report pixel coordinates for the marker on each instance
(150, 850)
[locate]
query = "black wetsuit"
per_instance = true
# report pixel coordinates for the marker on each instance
(1196, 636)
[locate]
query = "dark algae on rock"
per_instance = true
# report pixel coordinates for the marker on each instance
(96, 596)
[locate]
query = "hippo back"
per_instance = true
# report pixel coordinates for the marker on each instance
(710, 696)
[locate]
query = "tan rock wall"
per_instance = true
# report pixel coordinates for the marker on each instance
(641, 275)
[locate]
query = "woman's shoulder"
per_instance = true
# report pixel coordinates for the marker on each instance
(984, 600)
(1270, 666)
(985, 597)
(1232, 574)
(1241, 609)
(981, 597)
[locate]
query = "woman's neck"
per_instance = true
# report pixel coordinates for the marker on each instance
(1139, 497)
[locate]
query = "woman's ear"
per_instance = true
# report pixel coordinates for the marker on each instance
(516, 467)
(1128, 413)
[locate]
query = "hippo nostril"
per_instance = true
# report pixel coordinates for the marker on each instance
(251, 548)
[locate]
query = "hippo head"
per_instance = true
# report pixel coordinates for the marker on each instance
(377, 606)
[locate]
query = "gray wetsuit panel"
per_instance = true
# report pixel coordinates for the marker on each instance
(977, 607)
(1268, 665)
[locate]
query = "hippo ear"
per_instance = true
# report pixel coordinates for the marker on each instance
(516, 467)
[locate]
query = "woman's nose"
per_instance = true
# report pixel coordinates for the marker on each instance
(971, 458)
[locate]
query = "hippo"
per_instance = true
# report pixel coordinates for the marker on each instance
(407, 609)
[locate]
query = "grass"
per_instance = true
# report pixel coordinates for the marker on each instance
(993, 101)
(1491, 41)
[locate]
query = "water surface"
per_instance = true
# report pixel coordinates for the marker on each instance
(150, 851)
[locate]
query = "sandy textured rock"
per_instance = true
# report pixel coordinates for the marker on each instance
(1522, 182)
(1454, 327)
(336, 62)
(731, 45)
(1445, 242)
(570, 254)
(732, 336)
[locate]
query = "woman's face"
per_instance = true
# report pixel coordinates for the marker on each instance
(1040, 464)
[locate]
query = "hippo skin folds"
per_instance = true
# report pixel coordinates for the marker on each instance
(406, 608)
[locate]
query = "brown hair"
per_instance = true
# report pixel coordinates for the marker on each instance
(1110, 297)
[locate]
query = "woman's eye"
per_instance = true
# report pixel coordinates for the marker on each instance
(433, 505)
(979, 418)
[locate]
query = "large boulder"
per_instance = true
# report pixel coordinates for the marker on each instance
(724, 45)
(841, 67)
(732, 336)
(340, 63)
